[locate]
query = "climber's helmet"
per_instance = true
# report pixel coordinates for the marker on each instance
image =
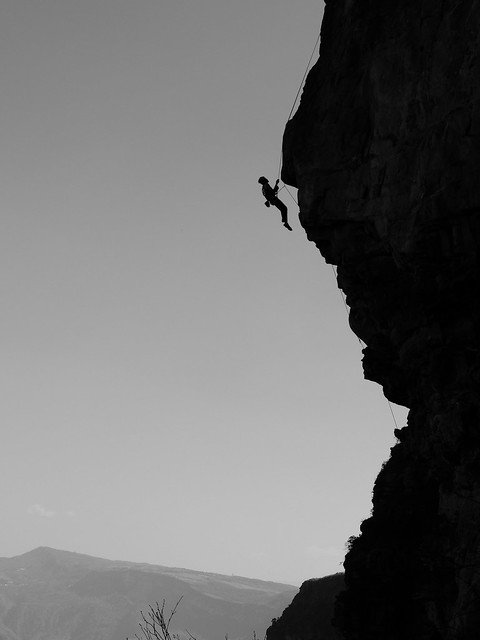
(262, 180)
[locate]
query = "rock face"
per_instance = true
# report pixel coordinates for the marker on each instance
(309, 616)
(385, 152)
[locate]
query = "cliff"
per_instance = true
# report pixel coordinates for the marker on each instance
(385, 152)
(309, 616)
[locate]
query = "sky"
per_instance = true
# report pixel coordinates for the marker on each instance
(179, 382)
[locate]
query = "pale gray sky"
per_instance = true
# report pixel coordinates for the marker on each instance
(179, 382)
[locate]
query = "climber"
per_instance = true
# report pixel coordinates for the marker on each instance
(270, 194)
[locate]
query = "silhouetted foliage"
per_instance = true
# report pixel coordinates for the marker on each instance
(155, 624)
(349, 542)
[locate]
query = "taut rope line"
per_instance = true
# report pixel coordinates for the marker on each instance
(362, 344)
(317, 42)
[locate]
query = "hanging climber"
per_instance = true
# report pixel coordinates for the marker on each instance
(270, 194)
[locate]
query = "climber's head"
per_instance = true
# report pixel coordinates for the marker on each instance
(262, 180)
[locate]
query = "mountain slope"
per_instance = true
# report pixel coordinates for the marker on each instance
(47, 594)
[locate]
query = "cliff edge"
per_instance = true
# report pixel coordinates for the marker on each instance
(385, 152)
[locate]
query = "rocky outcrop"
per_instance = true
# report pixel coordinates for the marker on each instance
(385, 152)
(309, 616)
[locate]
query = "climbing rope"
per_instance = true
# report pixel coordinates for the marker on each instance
(344, 300)
(290, 193)
(307, 69)
(305, 75)
(362, 344)
(280, 160)
(391, 411)
(317, 42)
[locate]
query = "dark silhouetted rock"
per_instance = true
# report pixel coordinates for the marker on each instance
(309, 616)
(385, 151)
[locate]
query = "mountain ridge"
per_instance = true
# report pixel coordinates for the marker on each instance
(51, 594)
(66, 553)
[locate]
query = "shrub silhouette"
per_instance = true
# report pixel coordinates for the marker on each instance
(155, 624)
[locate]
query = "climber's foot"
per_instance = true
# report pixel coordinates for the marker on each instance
(287, 226)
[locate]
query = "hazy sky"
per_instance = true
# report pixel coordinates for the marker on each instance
(179, 383)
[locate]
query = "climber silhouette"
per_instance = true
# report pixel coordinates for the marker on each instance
(270, 194)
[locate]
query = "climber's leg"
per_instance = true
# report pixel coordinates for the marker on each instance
(281, 207)
(284, 211)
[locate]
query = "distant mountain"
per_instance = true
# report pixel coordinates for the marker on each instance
(47, 594)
